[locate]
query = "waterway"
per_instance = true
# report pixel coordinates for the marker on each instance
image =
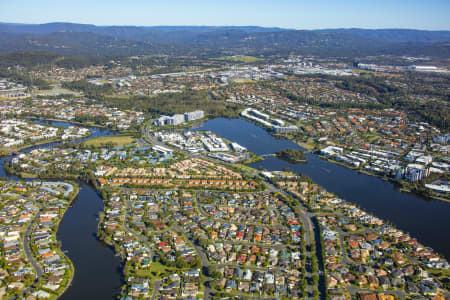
(425, 219)
(97, 269)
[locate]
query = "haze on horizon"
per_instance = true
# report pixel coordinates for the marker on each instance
(321, 14)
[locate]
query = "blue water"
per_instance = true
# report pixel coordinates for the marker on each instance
(425, 219)
(97, 270)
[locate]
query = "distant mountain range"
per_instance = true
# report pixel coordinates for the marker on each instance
(91, 40)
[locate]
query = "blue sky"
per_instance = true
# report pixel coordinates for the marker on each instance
(312, 14)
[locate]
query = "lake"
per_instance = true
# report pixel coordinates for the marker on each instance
(97, 269)
(425, 219)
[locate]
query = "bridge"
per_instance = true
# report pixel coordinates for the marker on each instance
(268, 155)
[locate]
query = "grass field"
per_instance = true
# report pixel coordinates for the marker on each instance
(41, 92)
(116, 140)
(309, 145)
(243, 80)
(246, 168)
(155, 272)
(27, 175)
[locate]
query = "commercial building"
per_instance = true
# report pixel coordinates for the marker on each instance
(178, 119)
(194, 115)
(331, 151)
(175, 120)
(285, 129)
(259, 114)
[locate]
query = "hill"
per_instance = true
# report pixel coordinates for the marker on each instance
(110, 41)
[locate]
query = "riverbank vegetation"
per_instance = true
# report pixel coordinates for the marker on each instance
(253, 158)
(292, 155)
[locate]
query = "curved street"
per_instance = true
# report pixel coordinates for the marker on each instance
(27, 250)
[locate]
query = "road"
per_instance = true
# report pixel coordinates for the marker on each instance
(156, 286)
(141, 238)
(305, 217)
(144, 240)
(26, 247)
(207, 292)
(310, 230)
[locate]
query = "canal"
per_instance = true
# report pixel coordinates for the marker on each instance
(97, 269)
(427, 220)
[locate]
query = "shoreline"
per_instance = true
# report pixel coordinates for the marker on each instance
(72, 267)
(75, 180)
(79, 183)
(10, 152)
(311, 151)
(67, 121)
(80, 124)
(402, 189)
